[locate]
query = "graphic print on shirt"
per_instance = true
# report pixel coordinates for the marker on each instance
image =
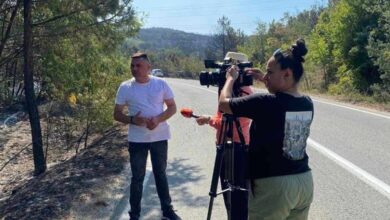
(296, 132)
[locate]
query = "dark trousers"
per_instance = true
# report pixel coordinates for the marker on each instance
(138, 156)
(239, 199)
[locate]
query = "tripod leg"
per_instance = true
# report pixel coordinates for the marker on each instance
(226, 176)
(214, 180)
(229, 199)
(229, 169)
(225, 143)
(210, 208)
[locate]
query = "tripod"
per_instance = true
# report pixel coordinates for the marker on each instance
(225, 154)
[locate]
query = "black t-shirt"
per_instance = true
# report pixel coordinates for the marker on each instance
(279, 130)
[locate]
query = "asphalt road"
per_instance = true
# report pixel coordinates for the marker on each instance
(349, 150)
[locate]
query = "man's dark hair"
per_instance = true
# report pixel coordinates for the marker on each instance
(140, 55)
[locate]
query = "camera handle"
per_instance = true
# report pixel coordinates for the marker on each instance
(225, 154)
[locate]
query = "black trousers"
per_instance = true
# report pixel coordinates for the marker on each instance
(138, 157)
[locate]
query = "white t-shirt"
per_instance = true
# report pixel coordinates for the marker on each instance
(147, 98)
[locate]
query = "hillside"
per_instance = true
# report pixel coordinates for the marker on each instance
(164, 38)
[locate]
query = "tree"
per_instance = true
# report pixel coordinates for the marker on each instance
(5, 37)
(54, 21)
(74, 48)
(39, 160)
(320, 50)
(340, 42)
(379, 47)
(225, 39)
(303, 23)
(255, 46)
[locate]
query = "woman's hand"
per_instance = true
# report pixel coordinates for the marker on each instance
(232, 72)
(256, 73)
(203, 119)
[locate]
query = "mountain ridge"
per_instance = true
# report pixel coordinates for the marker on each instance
(154, 39)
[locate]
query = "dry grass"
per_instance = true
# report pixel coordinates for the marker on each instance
(82, 186)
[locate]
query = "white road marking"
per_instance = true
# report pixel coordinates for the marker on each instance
(371, 180)
(355, 109)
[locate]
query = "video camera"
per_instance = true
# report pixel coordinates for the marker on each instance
(218, 78)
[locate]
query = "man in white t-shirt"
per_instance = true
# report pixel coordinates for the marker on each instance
(145, 96)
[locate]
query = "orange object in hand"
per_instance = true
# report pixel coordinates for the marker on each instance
(187, 112)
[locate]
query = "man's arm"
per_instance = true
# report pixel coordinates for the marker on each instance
(171, 110)
(136, 119)
(165, 115)
(119, 116)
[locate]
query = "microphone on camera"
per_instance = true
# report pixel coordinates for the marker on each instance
(187, 112)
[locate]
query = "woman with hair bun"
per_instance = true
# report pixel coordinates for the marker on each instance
(281, 183)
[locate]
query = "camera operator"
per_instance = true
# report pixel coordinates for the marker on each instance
(239, 199)
(281, 184)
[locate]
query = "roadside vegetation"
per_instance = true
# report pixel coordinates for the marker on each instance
(349, 47)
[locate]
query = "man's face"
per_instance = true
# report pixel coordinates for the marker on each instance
(140, 67)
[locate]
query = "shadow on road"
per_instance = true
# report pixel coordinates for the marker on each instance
(181, 177)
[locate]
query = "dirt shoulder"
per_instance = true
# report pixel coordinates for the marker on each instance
(83, 186)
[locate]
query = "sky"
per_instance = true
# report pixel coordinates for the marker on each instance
(200, 16)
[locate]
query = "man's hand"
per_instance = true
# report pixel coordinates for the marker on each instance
(138, 120)
(152, 123)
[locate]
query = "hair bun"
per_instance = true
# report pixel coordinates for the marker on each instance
(299, 50)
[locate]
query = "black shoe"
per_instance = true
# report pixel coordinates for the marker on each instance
(133, 216)
(170, 215)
